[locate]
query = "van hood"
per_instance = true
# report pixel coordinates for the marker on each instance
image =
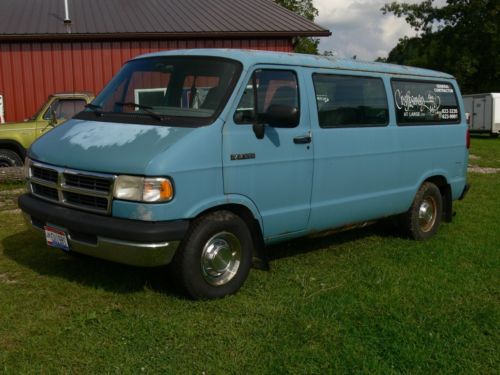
(105, 147)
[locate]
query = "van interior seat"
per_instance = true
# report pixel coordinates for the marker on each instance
(212, 98)
(333, 115)
(284, 95)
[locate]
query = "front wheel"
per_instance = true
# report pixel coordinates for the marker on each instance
(215, 257)
(9, 158)
(423, 218)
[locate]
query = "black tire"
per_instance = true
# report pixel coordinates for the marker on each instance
(423, 218)
(9, 158)
(212, 241)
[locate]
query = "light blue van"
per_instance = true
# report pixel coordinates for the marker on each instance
(200, 158)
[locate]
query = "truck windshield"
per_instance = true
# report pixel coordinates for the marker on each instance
(184, 90)
(38, 113)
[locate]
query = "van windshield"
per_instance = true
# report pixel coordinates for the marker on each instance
(187, 90)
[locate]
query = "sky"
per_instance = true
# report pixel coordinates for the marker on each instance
(359, 28)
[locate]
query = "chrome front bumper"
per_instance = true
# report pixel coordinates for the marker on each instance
(126, 252)
(134, 242)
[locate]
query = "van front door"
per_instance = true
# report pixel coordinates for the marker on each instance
(275, 172)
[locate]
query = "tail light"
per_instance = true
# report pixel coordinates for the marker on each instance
(467, 139)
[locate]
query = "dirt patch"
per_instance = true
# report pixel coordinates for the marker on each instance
(11, 174)
(6, 279)
(16, 192)
(477, 169)
(483, 170)
(8, 200)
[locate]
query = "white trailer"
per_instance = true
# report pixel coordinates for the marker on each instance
(484, 113)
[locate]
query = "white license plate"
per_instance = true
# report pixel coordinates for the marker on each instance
(56, 238)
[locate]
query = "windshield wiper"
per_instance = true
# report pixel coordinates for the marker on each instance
(145, 108)
(96, 108)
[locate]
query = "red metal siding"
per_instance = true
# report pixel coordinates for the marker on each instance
(30, 72)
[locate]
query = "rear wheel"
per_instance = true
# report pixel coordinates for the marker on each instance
(9, 158)
(423, 218)
(215, 257)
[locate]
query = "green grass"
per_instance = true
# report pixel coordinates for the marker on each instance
(487, 149)
(11, 185)
(364, 301)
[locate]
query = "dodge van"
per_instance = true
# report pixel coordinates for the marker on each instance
(201, 158)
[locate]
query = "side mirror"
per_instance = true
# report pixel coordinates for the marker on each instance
(282, 116)
(53, 117)
(258, 130)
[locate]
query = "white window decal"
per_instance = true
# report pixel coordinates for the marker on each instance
(425, 102)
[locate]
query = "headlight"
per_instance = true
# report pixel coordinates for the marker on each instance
(157, 190)
(143, 189)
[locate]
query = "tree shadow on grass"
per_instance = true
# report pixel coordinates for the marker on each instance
(28, 249)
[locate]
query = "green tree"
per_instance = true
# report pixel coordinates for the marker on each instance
(304, 8)
(461, 38)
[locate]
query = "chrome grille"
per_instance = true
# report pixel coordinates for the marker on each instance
(45, 174)
(85, 200)
(47, 192)
(79, 189)
(85, 182)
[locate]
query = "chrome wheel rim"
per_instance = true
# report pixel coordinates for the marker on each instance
(427, 213)
(220, 258)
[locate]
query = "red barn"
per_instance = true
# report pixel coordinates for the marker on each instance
(45, 48)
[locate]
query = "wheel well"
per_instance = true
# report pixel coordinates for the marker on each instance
(445, 189)
(260, 257)
(13, 146)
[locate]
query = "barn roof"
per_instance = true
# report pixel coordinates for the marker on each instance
(120, 19)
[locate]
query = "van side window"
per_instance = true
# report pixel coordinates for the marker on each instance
(348, 101)
(420, 102)
(274, 87)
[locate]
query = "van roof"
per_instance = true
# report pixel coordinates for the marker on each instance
(252, 57)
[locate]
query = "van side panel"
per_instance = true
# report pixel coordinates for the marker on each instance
(365, 173)
(433, 150)
(428, 151)
(356, 172)
(356, 176)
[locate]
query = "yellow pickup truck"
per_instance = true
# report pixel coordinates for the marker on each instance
(16, 138)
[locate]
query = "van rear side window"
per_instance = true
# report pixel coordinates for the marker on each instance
(348, 101)
(424, 102)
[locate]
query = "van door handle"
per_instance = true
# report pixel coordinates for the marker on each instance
(303, 139)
